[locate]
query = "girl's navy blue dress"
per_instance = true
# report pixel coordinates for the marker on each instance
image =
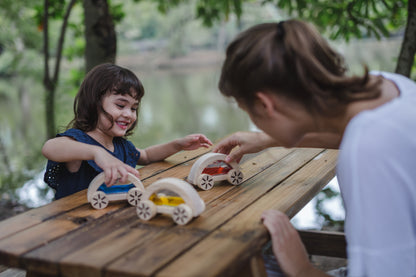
(66, 183)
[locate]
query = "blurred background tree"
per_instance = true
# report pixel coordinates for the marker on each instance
(20, 48)
(57, 41)
(339, 19)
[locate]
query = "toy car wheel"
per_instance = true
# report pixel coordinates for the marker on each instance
(134, 195)
(99, 200)
(205, 182)
(182, 214)
(146, 210)
(235, 177)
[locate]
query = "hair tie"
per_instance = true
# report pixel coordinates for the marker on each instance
(280, 30)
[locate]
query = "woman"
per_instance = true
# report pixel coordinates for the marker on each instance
(295, 88)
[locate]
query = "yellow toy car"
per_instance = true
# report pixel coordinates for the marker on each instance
(170, 196)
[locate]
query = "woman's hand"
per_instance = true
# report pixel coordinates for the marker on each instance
(287, 245)
(243, 143)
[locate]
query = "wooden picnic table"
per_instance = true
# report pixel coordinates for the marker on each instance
(69, 238)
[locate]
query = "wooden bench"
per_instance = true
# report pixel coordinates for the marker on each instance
(322, 243)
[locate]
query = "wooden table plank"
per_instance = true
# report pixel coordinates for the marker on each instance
(36, 216)
(41, 259)
(49, 215)
(107, 248)
(182, 170)
(72, 239)
(241, 237)
(165, 247)
(39, 220)
(32, 217)
(16, 245)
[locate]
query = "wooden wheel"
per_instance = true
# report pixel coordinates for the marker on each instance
(146, 210)
(205, 182)
(182, 214)
(235, 177)
(99, 200)
(134, 195)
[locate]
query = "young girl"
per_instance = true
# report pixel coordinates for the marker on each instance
(295, 88)
(106, 109)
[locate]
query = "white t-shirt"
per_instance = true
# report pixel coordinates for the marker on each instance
(377, 176)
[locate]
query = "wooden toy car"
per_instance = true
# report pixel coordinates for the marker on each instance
(171, 196)
(211, 167)
(99, 195)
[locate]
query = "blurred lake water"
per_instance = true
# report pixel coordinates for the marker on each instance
(176, 103)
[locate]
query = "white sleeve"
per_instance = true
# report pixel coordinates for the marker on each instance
(379, 191)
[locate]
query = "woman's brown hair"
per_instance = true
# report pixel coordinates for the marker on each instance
(103, 79)
(291, 58)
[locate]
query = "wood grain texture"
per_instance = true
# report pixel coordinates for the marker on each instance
(70, 238)
(32, 217)
(170, 244)
(38, 227)
(167, 236)
(242, 237)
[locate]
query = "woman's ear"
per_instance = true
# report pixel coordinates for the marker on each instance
(265, 103)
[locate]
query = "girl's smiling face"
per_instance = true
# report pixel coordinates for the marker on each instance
(120, 114)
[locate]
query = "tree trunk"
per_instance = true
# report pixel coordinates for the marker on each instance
(50, 109)
(47, 80)
(50, 82)
(100, 34)
(408, 49)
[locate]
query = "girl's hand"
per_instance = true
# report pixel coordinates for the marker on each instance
(287, 245)
(114, 169)
(194, 141)
(247, 142)
(162, 151)
(69, 151)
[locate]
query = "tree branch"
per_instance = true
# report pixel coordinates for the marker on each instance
(61, 40)
(46, 77)
(408, 48)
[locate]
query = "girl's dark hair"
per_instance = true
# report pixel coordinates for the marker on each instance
(101, 80)
(292, 59)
